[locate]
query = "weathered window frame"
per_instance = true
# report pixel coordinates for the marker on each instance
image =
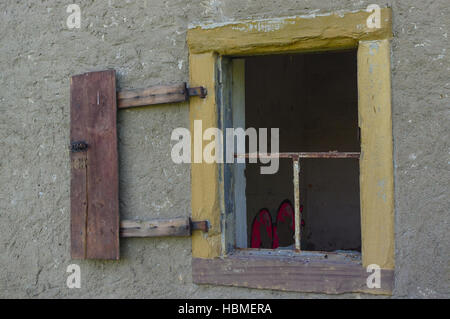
(214, 260)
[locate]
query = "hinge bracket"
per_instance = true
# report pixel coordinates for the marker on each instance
(197, 91)
(78, 146)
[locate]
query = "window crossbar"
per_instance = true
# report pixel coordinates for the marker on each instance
(295, 156)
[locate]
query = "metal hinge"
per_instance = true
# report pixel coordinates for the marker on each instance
(202, 225)
(78, 146)
(199, 91)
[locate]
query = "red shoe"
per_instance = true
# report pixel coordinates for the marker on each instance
(261, 236)
(284, 228)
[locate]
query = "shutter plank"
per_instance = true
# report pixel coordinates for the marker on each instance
(94, 172)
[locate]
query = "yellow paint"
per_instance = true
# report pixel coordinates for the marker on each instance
(204, 177)
(376, 164)
(300, 34)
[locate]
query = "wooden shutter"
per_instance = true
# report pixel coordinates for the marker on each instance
(94, 185)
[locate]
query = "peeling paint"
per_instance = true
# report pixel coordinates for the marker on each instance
(373, 47)
(303, 32)
(309, 15)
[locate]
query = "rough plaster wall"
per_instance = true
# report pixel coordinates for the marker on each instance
(145, 42)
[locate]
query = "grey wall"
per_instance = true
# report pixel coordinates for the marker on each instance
(145, 42)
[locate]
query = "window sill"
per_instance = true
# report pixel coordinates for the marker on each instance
(317, 272)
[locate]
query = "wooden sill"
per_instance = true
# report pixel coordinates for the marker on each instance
(317, 272)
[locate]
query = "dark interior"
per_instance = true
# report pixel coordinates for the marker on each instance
(312, 98)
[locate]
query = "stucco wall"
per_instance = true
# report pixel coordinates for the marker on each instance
(145, 42)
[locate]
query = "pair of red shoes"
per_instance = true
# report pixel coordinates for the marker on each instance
(266, 234)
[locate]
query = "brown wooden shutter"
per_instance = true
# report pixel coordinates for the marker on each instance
(94, 169)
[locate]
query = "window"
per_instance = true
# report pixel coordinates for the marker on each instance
(312, 99)
(223, 55)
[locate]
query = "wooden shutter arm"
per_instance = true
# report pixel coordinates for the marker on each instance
(179, 226)
(158, 95)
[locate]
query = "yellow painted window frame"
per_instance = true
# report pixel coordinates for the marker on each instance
(301, 34)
